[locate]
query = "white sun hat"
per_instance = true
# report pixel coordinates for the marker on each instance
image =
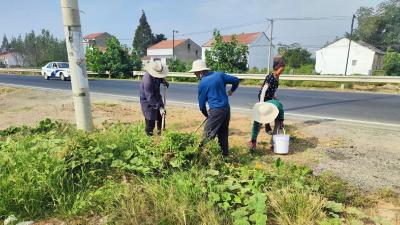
(156, 69)
(264, 112)
(199, 65)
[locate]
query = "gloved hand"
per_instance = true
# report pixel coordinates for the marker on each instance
(166, 83)
(163, 111)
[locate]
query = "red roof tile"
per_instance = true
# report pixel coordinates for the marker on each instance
(167, 44)
(244, 39)
(93, 36)
(6, 53)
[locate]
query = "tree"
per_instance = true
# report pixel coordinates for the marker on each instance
(295, 56)
(5, 46)
(380, 26)
(144, 37)
(159, 38)
(227, 56)
(392, 63)
(37, 50)
(136, 61)
(117, 59)
(95, 60)
(176, 65)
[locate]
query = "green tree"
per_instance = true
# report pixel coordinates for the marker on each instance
(227, 56)
(37, 50)
(295, 56)
(95, 60)
(136, 61)
(144, 37)
(117, 60)
(380, 26)
(5, 46)
(392, 63)
(159, 38)
(176, 65)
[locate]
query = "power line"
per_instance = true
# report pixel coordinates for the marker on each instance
(260, 22)
(225, 28)
(339, 18)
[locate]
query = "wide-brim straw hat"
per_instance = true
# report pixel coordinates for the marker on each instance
(264, 112)
(199, 65)
(156, 69)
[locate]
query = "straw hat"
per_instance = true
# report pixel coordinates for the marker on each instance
(156, 69)
(264, 112)
(199, 65)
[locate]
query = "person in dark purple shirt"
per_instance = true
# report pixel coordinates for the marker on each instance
(150, 97)
(212, 90)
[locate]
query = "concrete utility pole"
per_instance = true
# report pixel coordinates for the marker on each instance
(173, 43)
(270, 45)
(77, 64)
(351, 37)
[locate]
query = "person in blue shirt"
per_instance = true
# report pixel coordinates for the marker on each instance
(212, 90)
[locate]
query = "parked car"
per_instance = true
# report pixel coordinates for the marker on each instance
(56, 69)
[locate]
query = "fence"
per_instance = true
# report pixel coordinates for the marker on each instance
(326, 78)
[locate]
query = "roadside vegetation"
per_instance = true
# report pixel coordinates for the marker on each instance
(119, 174)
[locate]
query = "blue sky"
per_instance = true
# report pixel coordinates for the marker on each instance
(120, 17)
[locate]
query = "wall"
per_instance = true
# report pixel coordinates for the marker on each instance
(188, 54)
(12, 60)
(259, 53)
(332, 59)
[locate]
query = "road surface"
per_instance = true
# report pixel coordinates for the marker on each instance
(378, 109)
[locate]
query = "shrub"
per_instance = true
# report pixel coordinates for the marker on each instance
(392, 64)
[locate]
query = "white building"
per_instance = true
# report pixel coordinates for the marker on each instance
(186, 50)
(363, 58)
(97, 39)
(258, 44)
(11, 59)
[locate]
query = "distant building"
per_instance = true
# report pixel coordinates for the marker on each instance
(11, 59)
(258, 44)
(186, 50)
(363, 59)
(97, 39)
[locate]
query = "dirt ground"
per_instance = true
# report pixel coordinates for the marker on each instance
(364, 155)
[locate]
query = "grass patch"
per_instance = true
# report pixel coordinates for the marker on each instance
(117, 172)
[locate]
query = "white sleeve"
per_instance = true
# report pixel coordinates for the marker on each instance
(263, 92)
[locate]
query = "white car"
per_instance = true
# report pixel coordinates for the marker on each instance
(56, 69)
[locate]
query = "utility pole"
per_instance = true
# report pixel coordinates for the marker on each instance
(351, 37)
(270, 45)
(173, 43)
(77, 63)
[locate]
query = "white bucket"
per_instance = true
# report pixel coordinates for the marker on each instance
(281, 143)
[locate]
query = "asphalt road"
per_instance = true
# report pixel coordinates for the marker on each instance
(345, 106)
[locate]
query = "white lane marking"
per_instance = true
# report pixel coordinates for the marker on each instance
(195, 105)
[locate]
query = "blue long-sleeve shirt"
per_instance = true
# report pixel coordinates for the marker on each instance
(212, 89)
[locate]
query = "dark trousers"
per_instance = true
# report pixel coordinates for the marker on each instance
(218, 125)
(151, 124)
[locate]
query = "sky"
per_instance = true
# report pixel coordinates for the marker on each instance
(121, 17)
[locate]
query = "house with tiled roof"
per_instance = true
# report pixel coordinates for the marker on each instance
(258, 44)
(96, 39)
(185, 50)
(363, 58)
